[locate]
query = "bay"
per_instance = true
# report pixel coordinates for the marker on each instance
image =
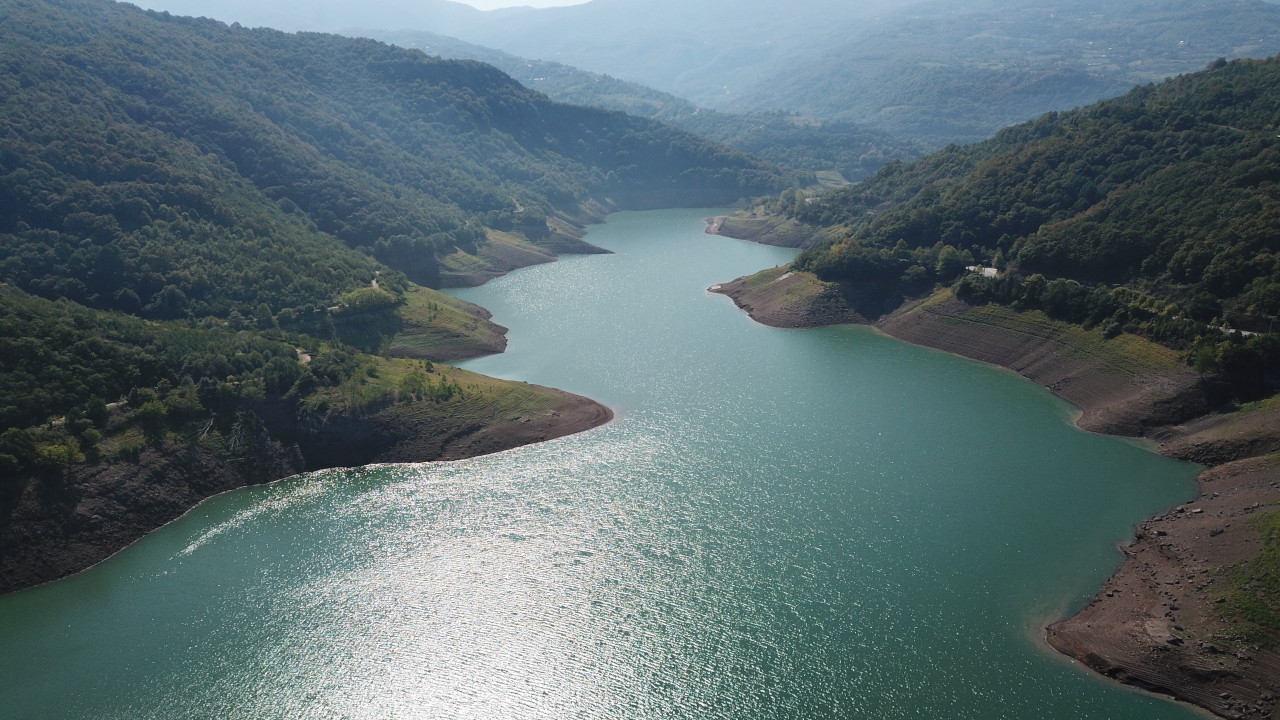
(778, 524)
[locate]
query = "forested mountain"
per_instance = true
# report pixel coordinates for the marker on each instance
(183, 169)
(953, 72)
(854, 150)
(172, 166)
(1156, 212)
(205, 231)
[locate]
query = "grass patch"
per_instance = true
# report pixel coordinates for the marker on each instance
(831, 178)
(1125, 353)
(499, 240)
(762, 279)
(1271, 404)
(501, 252)
(463, 262)
(1251, 603)
(420, 387)
(433, 323)
(793, 284)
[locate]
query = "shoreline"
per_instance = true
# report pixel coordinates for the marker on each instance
(1153, 625)
(118, 504)
(1148, 627)
(100, 510)
(568, 427)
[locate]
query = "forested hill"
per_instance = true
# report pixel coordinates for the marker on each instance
(933, 71)
(852, 149)
(1169, 191)
(167, 165)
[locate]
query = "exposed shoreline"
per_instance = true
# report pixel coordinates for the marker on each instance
(1153, 626)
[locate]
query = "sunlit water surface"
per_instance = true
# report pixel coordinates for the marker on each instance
(779, 524)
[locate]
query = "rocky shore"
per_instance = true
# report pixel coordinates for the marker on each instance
(1155, 625)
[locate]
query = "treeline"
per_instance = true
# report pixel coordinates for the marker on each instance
(63, 367)
(1169, 190)
(1248, 361)
(1156, 213)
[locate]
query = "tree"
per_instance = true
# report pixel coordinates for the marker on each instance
(151, 416)
(952, 262)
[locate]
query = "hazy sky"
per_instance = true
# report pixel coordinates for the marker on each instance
(494, 4)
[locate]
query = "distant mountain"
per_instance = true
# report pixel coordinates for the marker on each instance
(936, 72)
(703, 50)
(958, 72)
(851, 149)
(332, 15)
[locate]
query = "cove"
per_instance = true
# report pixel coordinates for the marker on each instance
(779, 524)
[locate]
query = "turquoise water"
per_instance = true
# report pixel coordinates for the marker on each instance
(778, 524)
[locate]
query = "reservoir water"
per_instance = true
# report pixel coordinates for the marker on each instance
(779, 524)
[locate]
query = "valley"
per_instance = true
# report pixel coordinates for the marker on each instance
(236, 250)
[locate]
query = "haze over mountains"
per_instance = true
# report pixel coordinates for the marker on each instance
(705, 51)
(852, 150)
(938, 72)
(958, 72)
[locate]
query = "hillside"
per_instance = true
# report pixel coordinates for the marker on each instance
(925, 71)
(703, 50)
(211, 235)
(853, 150)
(196, 150)
(948, 72)
(1154, 212)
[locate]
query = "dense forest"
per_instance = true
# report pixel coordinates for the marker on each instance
(1156, 213)
(175, 167)
(65, 359)
(206, 232)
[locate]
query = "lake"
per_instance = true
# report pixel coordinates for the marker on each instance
(779, 524)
